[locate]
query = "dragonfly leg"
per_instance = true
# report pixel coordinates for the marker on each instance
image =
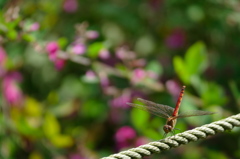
(165, 135)
(177, 129)
(173, 132)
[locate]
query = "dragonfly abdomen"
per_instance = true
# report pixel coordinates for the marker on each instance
(175, 113)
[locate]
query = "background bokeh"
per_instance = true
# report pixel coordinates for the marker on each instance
(68, 68)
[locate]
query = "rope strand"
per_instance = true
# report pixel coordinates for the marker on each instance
(179, 139)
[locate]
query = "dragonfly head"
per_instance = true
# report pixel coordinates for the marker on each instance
(167, 128)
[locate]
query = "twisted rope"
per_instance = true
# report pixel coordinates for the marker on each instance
(178, 139)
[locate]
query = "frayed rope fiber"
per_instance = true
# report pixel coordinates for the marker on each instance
(178, 139)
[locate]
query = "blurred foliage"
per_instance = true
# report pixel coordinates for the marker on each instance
(68, 68)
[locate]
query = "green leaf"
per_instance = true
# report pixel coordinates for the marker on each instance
(194, 152)
(28, 37)
(145, 45)
(153, 134)
(234, 90)
(93, 49)
(62, 42)
(51, 127)
(189, 105)
(155, 67)
(62, 141)
(195, 13)
(94, 109)
(13, 24)
(32, 107)
(9, 64)
(157, 123)
(140, 119)
(12, 34)
(71, 88)
(181, 125)
(122, 69)
(216, 154)
(35, 155)
(24, 127)
(63, 109)
(212, 94)
(181, 69)
(196, 58)
(10, 144)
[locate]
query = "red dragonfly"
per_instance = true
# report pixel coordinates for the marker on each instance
(168, 112)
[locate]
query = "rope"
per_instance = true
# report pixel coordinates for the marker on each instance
(178, 139)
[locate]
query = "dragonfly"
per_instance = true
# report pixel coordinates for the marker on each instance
(167, 112)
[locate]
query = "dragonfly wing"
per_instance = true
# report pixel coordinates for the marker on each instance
(194, 113)
(149, 109)
(160, 110)
(167, 110)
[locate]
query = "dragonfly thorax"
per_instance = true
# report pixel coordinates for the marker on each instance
(167, 128)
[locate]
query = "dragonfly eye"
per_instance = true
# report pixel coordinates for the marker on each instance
(167, 128)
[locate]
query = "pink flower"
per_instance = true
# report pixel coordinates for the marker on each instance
(90, 75)
(70, 6)
(116, 119)
(52, 48)
(121, 101)
(124, 137)
(141, 141)
(104, 81)
(104, 54)
(176, 39)
(173, 88)
(152, 74)
(138, 75)
(79, 49)
(91, 34)
(11, 91)
(124, 53)
(138, 63)
(121, 53)
(14, 76)
(125, 133)
(34, 27)
(59, 63)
